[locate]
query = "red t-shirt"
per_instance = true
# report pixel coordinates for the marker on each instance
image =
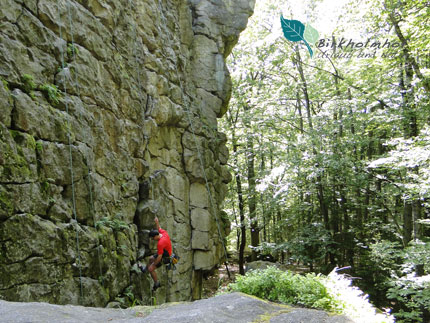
(164, 243)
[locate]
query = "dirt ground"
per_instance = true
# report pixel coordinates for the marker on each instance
(219, 280)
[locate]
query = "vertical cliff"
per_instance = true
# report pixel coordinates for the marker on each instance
(108, 110)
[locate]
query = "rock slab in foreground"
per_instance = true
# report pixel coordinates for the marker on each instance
(235, 307)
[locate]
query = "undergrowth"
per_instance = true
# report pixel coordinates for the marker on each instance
(332, 293)
(285, 287)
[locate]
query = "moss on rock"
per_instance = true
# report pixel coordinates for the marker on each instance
(6, 205)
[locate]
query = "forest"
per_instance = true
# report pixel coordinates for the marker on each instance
(330, 144)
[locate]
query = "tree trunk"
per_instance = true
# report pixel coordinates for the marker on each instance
(321, 199)
(409, 59)
(410, 129)
(236, 220)
(407, 223)
(242, 224)
(252, 199)
(265, 216)
(241, 207)
(299, 109)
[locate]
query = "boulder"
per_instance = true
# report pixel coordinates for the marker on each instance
(261, 264)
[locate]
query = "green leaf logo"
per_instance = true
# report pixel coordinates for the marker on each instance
(295, 31)
(311, 34)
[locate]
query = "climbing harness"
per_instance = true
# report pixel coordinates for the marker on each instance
(174, 259)
(171, 261)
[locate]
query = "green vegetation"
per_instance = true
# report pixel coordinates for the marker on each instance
(31, 142)
(5, 84)
(101, 279)
(331, 154)
(332, 293)
(39, 147)
(28, 83)
(45, 186)
(115, 224)
(5, 203)
(285, 287)
(16, 135)
(128, 299)
(17, 165)
(72, 51)
(51, 92)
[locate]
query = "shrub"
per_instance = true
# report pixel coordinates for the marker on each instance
(285, 287)
(333, 293)
(407, 290)
(413, 293)
(351, 301)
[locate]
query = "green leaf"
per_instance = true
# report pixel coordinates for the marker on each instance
(311, 34)
(293, 31)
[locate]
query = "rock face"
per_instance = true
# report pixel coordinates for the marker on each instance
(236, 307)
(108, 110)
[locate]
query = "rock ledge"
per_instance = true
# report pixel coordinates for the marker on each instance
(235, 307)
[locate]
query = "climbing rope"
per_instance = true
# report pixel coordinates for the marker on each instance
(70, 155)
(167, 287)
(136, 59)
(89, 174)
(99, 246)
(140, 91)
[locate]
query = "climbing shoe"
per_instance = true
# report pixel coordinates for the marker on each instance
(156, 285)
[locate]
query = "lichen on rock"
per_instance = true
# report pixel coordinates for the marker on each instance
(121, 112)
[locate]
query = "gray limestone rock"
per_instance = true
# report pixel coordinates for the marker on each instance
(235, 307)
(201, 220)
(108, 117)
(261, 264)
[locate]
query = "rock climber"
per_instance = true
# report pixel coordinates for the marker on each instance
(164, 251)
